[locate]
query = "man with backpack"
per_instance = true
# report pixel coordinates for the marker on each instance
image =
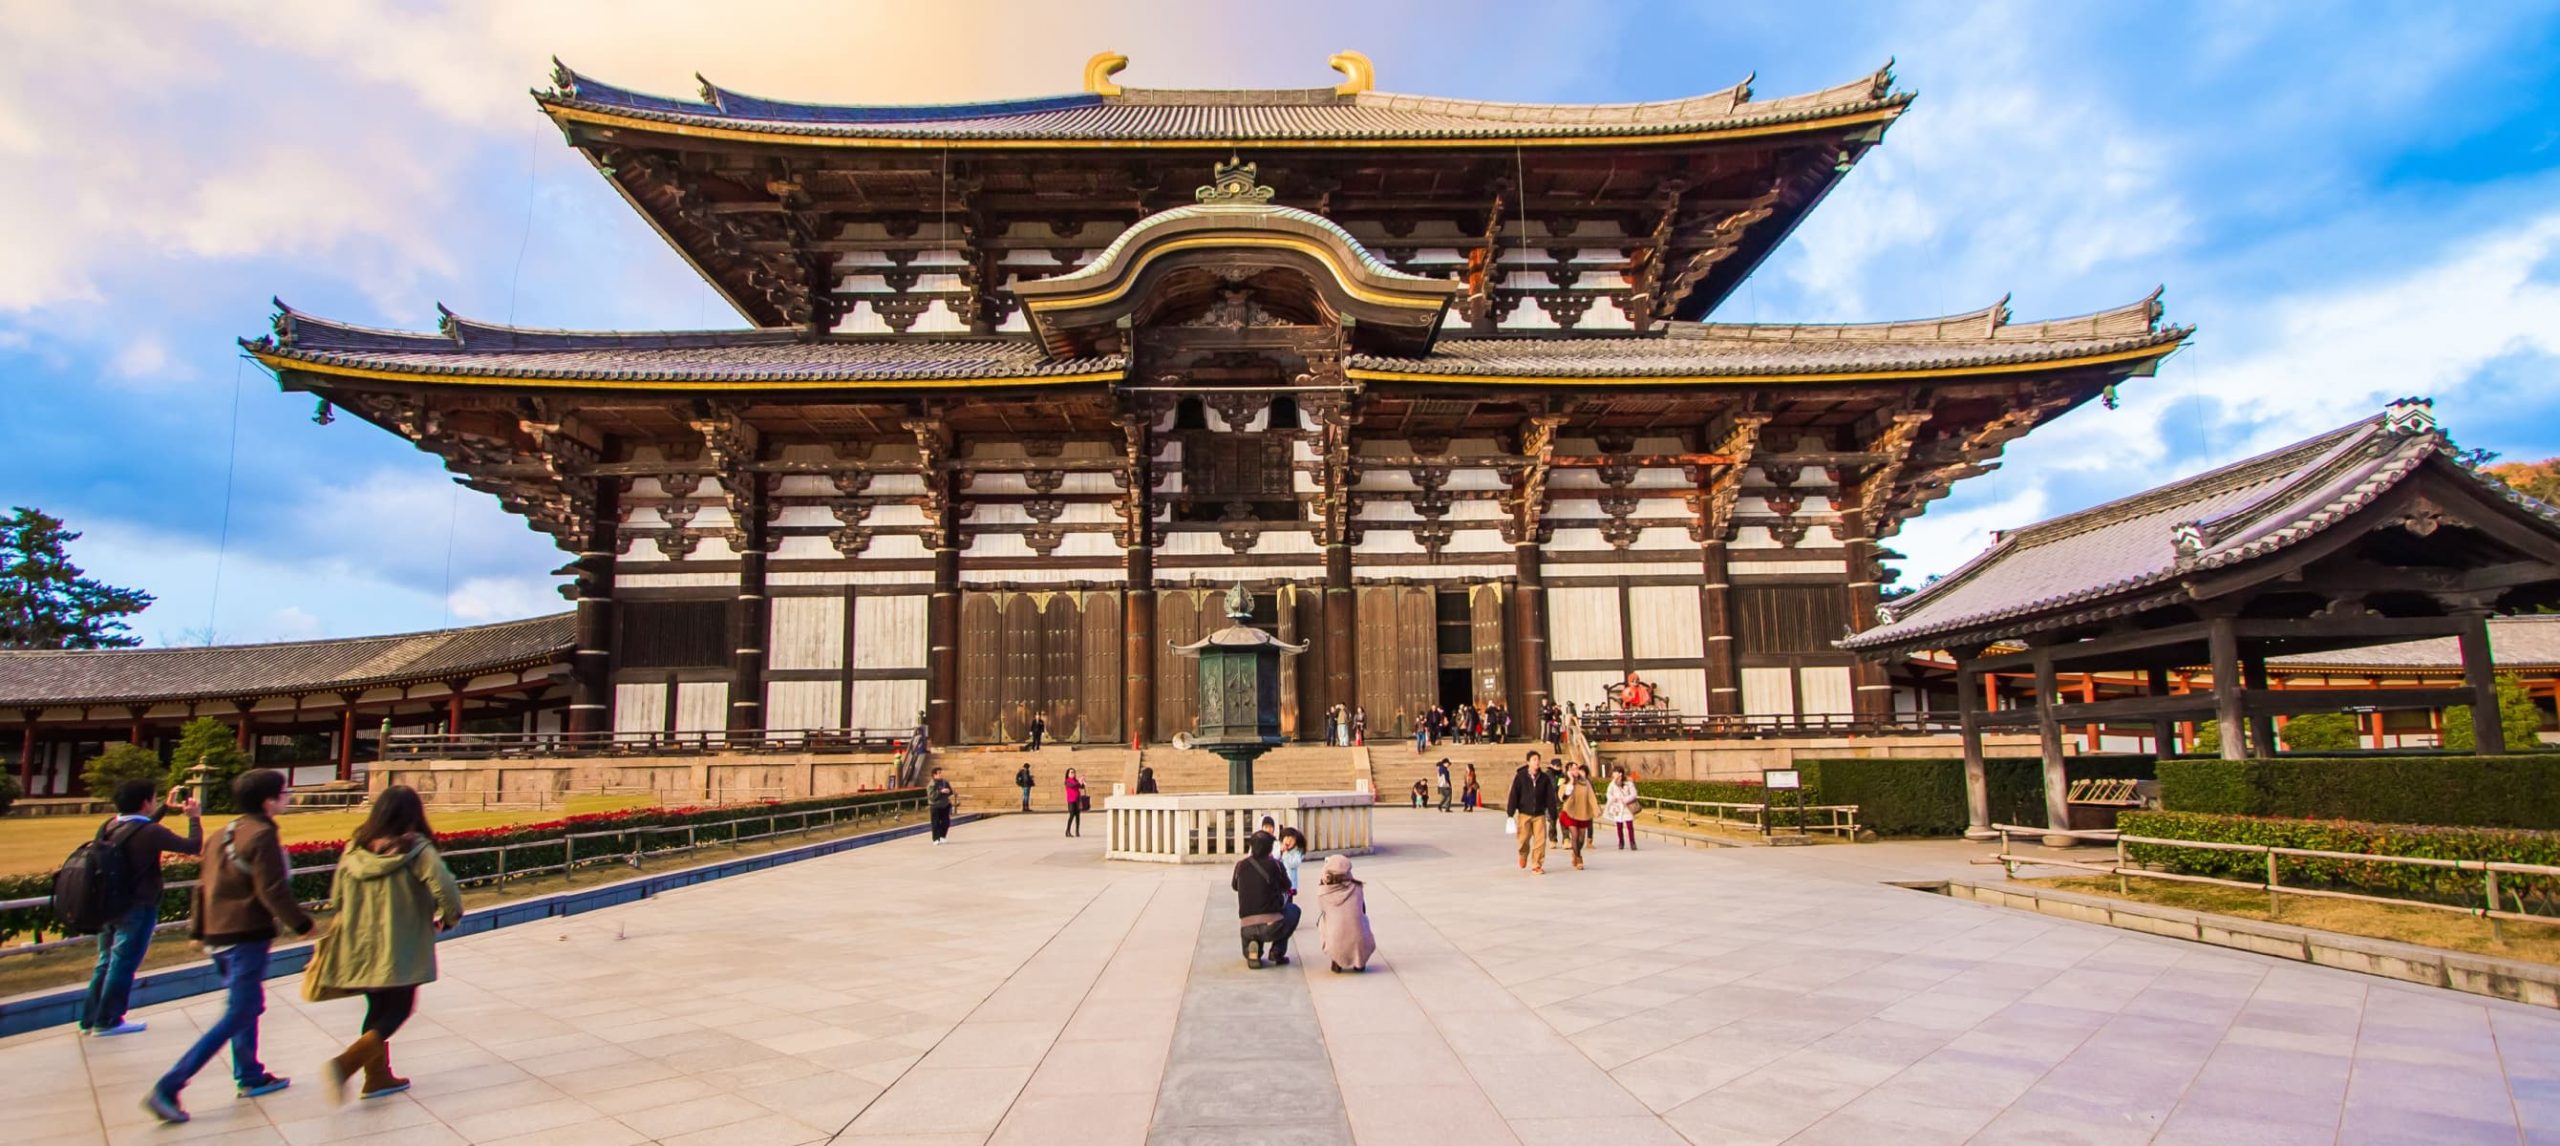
(1022, 779)
(119, 873)
(244, 898)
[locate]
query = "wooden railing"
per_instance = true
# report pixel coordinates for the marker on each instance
(525, 745)
(1838, 819)
(1641, 725)
(2273, 885)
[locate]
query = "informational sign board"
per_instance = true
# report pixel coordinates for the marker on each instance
(1781, 778)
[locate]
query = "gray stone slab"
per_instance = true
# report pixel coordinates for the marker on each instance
(1248, 1062)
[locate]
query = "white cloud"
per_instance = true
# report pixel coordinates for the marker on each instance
(504, 598)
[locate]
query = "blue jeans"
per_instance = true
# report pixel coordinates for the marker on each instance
(244, 977)
(1026, 799)
(120, 950)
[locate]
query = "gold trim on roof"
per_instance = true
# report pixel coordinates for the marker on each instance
(1125, 277)
(617, 121)
(1760, 379)
(277, 362)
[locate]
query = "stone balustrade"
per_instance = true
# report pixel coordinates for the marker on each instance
(1209, 828)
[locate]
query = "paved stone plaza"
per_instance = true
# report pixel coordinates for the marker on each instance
(1013, 987)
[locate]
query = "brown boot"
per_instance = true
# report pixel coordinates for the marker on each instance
(378, 1079)
(359, 1054)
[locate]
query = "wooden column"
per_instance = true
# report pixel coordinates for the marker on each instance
(2164, 731)
(453, 713)
(347, 738)
(2222, 643)
(2479, 674)
(1871, 693)
(1341, 626)
(2091, 734)
(1529, 680)
(748, 619)
(1977, 785)
(1138, 644)
(1724, 673)
(591, 655)
(2057, 806)
(2262, 729)
(942, 640)
(133, 731)
(27, 754)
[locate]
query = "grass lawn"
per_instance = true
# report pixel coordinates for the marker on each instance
(67, 967)
(2537, 942)
(36, 844)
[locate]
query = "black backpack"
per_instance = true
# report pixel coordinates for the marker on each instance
(95, 885)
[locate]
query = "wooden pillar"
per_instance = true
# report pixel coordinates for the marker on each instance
(942, 638)
(27, 754)
(2164, 731)
(2262, 729)
(1341, 625)
(2479, 673)
(1138, 643)
(2222, 643)
(1529, 681)
(2057, 807)
(133, 731)
(748, 620)
(2092, 732)
(346, 737)
(453, 713)
(1977, 785)
(1870, 693)
(1724, 674)
(591, 654)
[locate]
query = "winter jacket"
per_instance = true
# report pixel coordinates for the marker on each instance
(1580, 808)
(143, 847)
(389, 905)
(1532, 795)
(248, 894)
(1262, 889)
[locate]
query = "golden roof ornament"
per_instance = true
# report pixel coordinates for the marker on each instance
(1358, 74)
(1099, 70)
(1235, 181)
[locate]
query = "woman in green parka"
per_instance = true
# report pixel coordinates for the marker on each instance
(394, 894)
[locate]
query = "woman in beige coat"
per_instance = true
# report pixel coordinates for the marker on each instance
(394, 894)
(1345, 926)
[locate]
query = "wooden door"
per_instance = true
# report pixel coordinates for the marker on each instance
(1417, 656)
(981, 668)
(1378, 649)
(1102, 682)
(1020, 685)
(1489, 682)
(1061, 664)
(1177, 676)
(1307, 605)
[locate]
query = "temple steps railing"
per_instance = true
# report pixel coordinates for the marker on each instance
(559, 745)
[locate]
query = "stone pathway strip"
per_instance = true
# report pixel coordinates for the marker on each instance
(1013, 987)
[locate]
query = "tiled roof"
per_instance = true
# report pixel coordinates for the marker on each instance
(1978, 339)
(120, 676)
(472, 350)
(467, 349)
(2532, 640)
(2148, 541)
(1246, 116)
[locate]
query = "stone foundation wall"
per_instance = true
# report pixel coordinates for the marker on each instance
(544, 782)
(1743, 759)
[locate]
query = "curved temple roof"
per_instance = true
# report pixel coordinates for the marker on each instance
(1223, 118)
(475, 353)
(209, 672)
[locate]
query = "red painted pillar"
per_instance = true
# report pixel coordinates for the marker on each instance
(2090, 733)
(27, 759)
(347, 741)
(453, 715)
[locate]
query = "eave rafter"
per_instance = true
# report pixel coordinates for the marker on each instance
(1719, 489)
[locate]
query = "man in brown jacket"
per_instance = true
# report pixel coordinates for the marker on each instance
(244, 895)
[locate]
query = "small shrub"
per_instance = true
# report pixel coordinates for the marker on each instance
(119, 763)
(2516, 715)
(9, 792)
(2535, 894)
(217, 746)
(2321, 732)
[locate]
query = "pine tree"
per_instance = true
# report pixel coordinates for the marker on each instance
(45, 602)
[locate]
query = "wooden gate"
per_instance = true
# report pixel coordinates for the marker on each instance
(1178, 620)
(1487, 609)
(1055, 652)
(1399, 657)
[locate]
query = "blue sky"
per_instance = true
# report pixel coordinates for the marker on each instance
(2353, 203)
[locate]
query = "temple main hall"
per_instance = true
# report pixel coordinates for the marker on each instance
(1446, 385)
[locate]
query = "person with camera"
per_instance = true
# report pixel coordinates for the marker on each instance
(137, 835)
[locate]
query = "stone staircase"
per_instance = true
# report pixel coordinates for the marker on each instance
(983, 777)
(1396, 766)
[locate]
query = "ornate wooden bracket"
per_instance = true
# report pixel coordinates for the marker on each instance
(1527, 504)
(1713, 502)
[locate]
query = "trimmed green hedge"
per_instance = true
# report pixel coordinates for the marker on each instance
(2452, 791)
(713, 824)
(1916, 797)
(2539, 895)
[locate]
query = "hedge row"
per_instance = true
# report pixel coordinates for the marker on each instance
(2451, 791)
(710, 825)
(2536, 894)
(1916, 797)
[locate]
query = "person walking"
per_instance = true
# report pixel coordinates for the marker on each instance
(1264, 915)
(938, 798)
(1344, 927)
(1146, 780)
(1422, 733)
(1446, 788)
(1022, 779)
(244, 898)
(1577, 807)
(1075, 803)
(1621, 811)
(1532, 799)
(394, 894)
(135, 832)
(1474, 795)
